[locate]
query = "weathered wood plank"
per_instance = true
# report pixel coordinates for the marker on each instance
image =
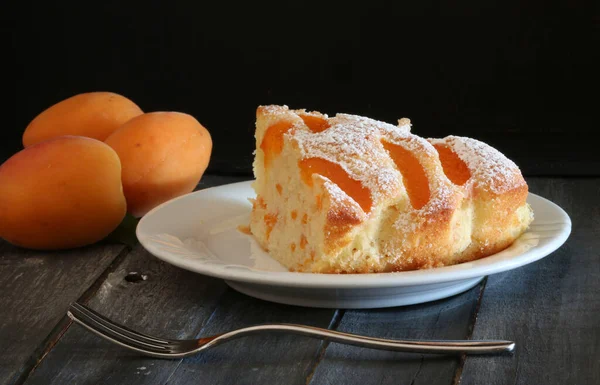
(176, 303)
(551, 308)
(36, 289)
(444, 319)
(265, 359)
(170, 302)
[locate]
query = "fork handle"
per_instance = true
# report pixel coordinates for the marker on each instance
(412, 346)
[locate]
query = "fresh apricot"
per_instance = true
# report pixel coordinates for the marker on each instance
(63, 193)
(163, 155)
(93, 114)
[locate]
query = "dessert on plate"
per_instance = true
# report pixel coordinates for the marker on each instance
(349, 194)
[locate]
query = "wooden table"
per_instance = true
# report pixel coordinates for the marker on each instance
(551, 308)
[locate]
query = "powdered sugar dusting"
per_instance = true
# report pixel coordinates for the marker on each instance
(443, 192)
(310, 113)
(336, 194)
(405, 124)
(273, 109)
(490, 169)
(339, 198)
(353, 143)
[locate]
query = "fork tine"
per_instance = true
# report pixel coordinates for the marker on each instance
(119, 328)
(106, 331)
(87, 324)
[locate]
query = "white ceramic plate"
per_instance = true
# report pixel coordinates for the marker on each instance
(198, 232)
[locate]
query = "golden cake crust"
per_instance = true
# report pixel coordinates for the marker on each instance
(349, 194)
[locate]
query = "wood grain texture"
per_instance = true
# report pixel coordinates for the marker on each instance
(35, 291)
(550, 308)
(260, 359)
(170, 302)
(180, 304)
(176, 303)
(444, 319)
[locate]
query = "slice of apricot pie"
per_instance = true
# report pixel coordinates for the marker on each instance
(349, 194)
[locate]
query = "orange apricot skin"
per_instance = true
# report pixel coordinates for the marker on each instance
(163, 155)
(93, 114)
(63, 193)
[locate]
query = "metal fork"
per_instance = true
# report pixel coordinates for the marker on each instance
(167, 348)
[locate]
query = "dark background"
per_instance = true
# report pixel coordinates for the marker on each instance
(520, 75)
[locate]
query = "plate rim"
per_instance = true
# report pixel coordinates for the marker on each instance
(240, 273)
